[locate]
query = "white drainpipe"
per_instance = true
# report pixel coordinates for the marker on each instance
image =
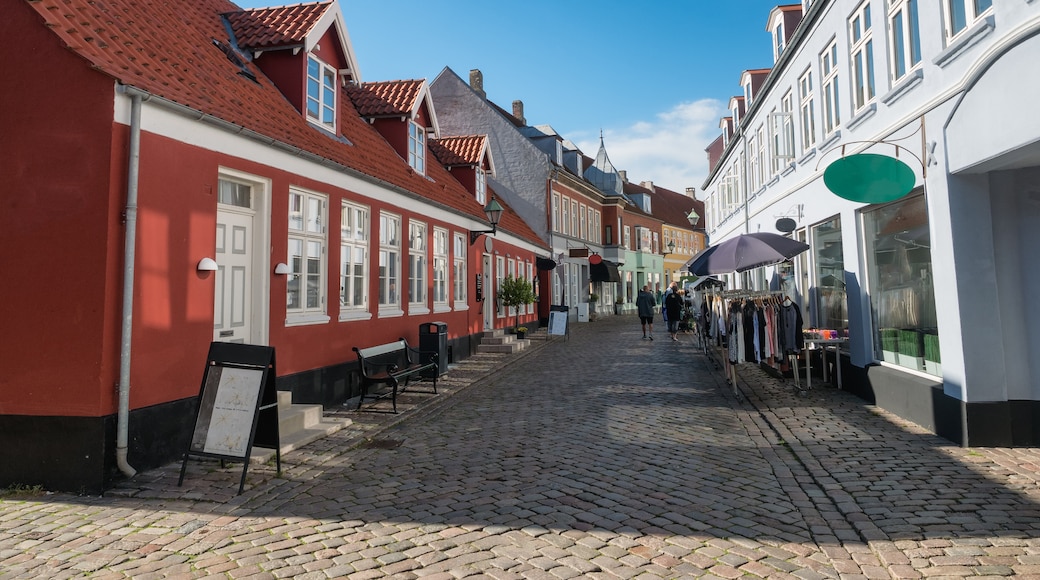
(129, 256)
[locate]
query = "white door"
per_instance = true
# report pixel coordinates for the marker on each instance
(232, 303)
(489, 294)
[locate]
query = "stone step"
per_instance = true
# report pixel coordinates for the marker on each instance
(511, 347)
(298, 425)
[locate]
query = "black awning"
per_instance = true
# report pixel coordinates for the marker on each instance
(545, 263)
(604, 272)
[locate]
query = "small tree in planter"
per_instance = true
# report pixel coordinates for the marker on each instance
(514, 293)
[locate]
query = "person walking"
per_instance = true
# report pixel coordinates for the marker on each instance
(645, 303)
(673, 310)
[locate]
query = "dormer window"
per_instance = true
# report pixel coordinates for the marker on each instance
(747, 93)
(778, 37)
(481, 186)
(417, 147)
(321, 93)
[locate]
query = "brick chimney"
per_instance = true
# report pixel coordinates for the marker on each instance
(476, 81)
(623, 174)
(518, 111)
(647, 184)
(692, 192)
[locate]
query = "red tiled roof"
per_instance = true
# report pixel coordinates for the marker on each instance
(165, 47)
(386, 98)
(459, 150)
(276, 27)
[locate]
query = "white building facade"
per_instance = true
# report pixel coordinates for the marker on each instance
(933, 287)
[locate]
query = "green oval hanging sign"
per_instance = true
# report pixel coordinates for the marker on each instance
(869, 178)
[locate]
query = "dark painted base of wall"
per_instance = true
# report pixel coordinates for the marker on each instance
(77, 454)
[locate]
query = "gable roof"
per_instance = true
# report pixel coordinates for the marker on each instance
(463, 151)
(299, 26)
(393, 99)
(165, 49)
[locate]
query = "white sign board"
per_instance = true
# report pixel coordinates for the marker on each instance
(557, 323)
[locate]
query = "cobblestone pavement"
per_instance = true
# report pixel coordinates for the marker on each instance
(598, 456)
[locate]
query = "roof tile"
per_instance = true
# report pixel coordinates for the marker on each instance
(275, 27)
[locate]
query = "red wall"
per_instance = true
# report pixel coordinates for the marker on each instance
(55, 225)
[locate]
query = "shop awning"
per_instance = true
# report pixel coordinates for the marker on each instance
(605, 271)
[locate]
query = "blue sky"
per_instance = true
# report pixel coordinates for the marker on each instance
(655, 77)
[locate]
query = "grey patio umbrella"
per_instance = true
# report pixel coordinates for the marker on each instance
(745, 252)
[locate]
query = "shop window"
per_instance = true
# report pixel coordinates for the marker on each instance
(831, 307)
(900, 285)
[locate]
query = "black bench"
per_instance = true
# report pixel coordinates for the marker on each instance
(393, 364)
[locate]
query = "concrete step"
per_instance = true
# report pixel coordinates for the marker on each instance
(298, 425)
(512, 347)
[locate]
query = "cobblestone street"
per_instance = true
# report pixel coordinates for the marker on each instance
(596, 456)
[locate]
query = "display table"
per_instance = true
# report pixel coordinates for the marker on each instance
(823, 344)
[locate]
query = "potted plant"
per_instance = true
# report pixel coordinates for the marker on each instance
(521, 332)
(514, 293)
(910, 354)
(932, 360)
(593, 299)
(619, 303)
(890, 345)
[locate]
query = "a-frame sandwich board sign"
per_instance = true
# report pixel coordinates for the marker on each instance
(237, 407)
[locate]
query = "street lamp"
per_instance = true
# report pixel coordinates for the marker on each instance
(493, 210)
(693, 218)
(671, 248)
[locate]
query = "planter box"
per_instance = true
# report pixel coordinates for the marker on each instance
(911, 362)
(933, 368)
(890, 356)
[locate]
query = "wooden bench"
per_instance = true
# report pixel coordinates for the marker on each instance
(393, 364)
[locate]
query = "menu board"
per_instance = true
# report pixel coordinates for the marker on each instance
(226, 411)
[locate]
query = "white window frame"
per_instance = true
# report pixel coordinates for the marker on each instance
(390, 265)
(417, 147)
(752, 152)
(973, 11)
(321, 93)
(460, 277)
(598, 225)
(481, 186)
(575, 221)
(778, 36)
(565, 215)
(556, 212)
(763, 156)
(418, 260)
(500, 274)
(531, 280)
(440, 270)
(628, 237)
(307, 243)
(829, 87)
(583, 221)
(807, 108)
(354, 227)
(861, 56)
(904, 37)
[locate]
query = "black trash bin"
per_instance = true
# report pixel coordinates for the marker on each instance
(433, 340)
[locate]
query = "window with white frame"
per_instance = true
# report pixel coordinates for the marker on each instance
(417, 147)
(763, 156)
(597, 237)
(389, 262)
(575, 221)
(565, 204)
(306, 253)
(500, 274)
(752, 151)
(829, 73)
(781, 128)
(416, 263)
(656, 243)
(555, 212)
(644, 240)
(583, 221)
(904, 36)
(481, 186)
(440, 267)
(459, 270)
(531, 279)
(628, 237)
(861, 51)
(807, 110)
(321, 93)
(353, 269)
(959, 15)
(778, 37)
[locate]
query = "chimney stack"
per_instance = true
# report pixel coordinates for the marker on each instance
(647, 184)
(692, 192)
(518, 111)
(623, 174)
(476, 81)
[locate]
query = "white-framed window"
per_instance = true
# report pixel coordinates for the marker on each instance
(321, 93)
(861, 51)
(778, 36)
(829, 85)
(531, 279)
(904, 36)
(353, 268)
(763, 155)
(959, 15)
(389, 263)
(807, 110)
(752, 151)
(481, 186)
(781, 132)
(306, 253)
(556, 212)
(583, 221)
(440, 268)
(417, 147)
(747, 95)
(417, 257)
(598, 228)
(575, 227)
(566, 215)
(628, 237)
(459, 276)
(500, 274)
(656, 241)
(511, 272)
(644, 241)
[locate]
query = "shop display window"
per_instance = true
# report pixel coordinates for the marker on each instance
(829, 299)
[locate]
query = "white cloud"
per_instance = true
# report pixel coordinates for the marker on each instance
(668, 150)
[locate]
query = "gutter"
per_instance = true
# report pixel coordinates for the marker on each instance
(129, 257)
